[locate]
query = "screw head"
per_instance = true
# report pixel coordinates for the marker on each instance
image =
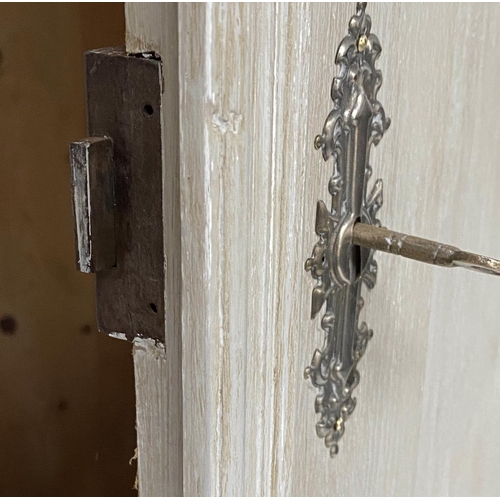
(318, 142)
(362, 43)
(338, 424)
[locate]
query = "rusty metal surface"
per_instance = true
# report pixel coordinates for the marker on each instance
(123, 102)
(92, 183)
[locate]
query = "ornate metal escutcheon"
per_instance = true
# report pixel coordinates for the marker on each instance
(350, 232)
(356, 122)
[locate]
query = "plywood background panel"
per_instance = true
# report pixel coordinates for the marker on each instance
(66, 392)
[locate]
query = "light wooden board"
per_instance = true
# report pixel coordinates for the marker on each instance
(158, 369)
(254, 91)
(67, 424)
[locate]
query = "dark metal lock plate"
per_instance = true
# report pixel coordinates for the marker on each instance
(124, 104)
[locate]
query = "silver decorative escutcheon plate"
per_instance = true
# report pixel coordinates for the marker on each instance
(356, 122)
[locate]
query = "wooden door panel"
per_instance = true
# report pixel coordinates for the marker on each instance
(254, 91)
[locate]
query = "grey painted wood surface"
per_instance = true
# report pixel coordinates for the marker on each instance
(158, 369)
(254, 90)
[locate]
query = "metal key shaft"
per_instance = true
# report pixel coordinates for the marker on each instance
(428, 251)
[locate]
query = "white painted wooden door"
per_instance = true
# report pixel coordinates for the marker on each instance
(224, 409)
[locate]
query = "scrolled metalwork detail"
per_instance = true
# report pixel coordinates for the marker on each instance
(356, 122)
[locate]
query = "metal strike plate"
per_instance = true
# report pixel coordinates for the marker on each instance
(92, 183)
(122, 242)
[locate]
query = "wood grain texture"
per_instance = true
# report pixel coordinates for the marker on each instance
(158, 369)
(67, 424)
(254, 91)
(159, 449)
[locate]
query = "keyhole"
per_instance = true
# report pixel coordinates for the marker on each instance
(356, 256)
(356, 260)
